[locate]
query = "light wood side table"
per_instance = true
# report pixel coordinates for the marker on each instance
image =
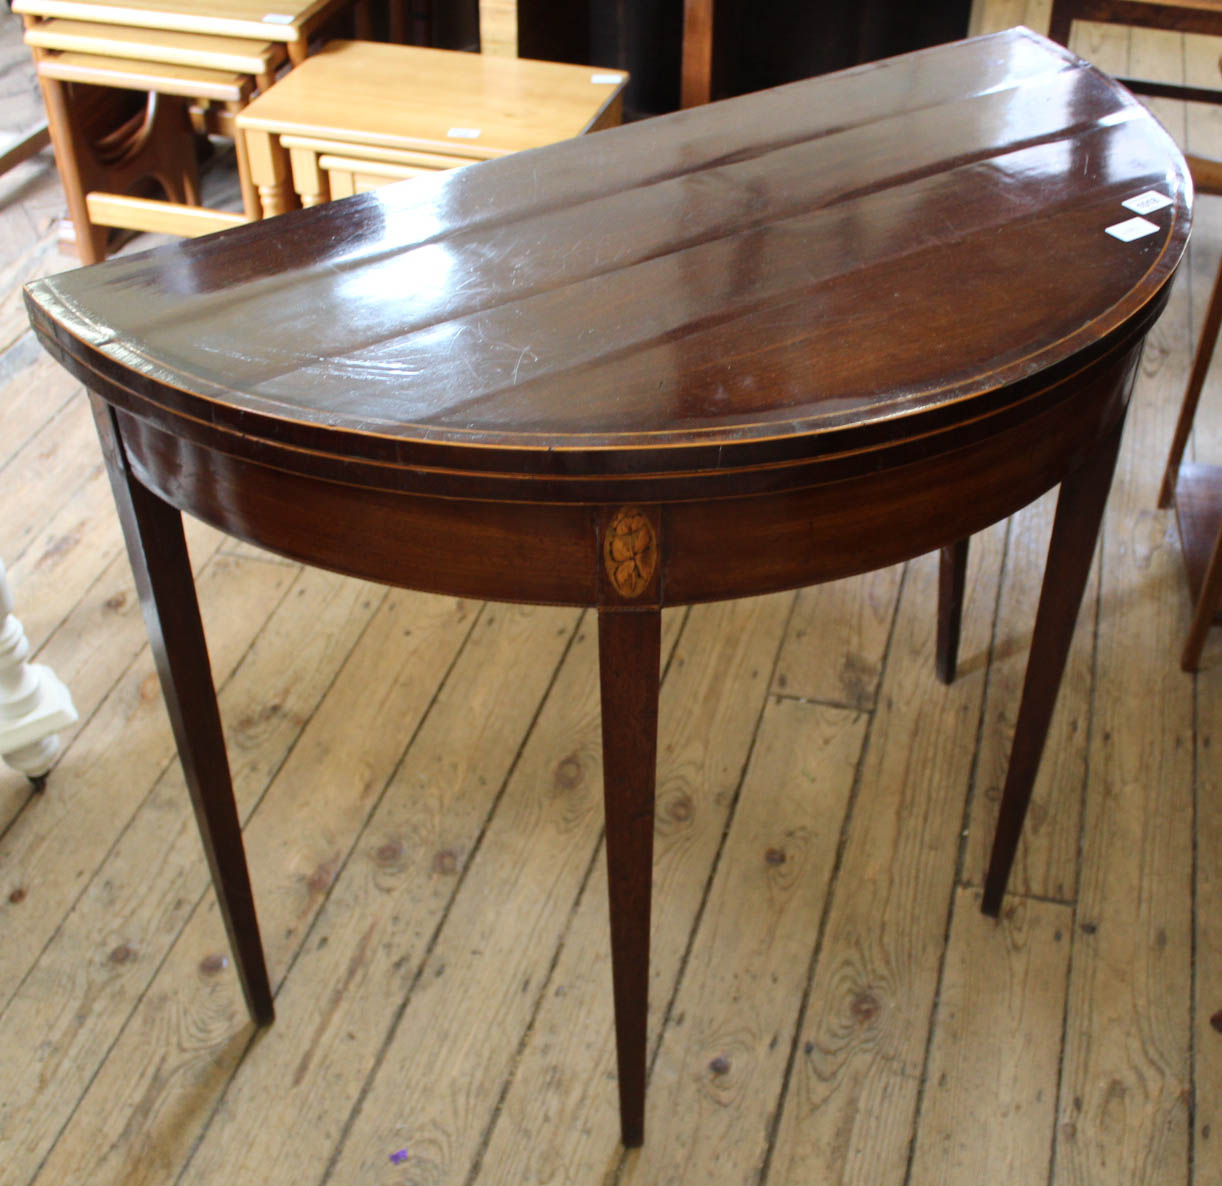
(101, 156)
(193, 81)
(228, 51)
(357, 114)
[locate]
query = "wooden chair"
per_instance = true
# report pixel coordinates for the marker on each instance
(1196, 489)
(1178, 16)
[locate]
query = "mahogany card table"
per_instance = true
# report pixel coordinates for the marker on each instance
(748, 347)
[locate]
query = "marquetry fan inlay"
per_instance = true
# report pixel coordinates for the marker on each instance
(630, 552)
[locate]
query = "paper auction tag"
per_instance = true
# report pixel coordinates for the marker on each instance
(1147, 203)
(1134, 228)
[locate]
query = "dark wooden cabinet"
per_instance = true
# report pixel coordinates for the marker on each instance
(756, 45)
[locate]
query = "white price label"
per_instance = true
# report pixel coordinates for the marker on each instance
(606, 79)
(1147, 203)
(1134, 228)
(464, 133)
(278, 18)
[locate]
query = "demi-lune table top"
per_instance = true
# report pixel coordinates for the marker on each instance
(812, 269)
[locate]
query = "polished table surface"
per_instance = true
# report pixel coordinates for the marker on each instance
(764, 343)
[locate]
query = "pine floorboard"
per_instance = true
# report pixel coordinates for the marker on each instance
(419, 780)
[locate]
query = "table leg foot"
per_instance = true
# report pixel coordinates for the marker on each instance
(1074, 531)
(157, 549)
(952, 578)
(273, 199)
(629, 648)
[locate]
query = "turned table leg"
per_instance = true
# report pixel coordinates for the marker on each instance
(269, 170)
(157, 550)
(252, 205)
(308, 179)
(1075, 529)
(629, 647)
(34, 703)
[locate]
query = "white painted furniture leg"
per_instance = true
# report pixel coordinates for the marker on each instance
(34, 703)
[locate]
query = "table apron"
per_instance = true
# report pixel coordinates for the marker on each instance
(706, 549)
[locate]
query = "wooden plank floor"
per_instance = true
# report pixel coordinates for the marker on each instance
(420, 783)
